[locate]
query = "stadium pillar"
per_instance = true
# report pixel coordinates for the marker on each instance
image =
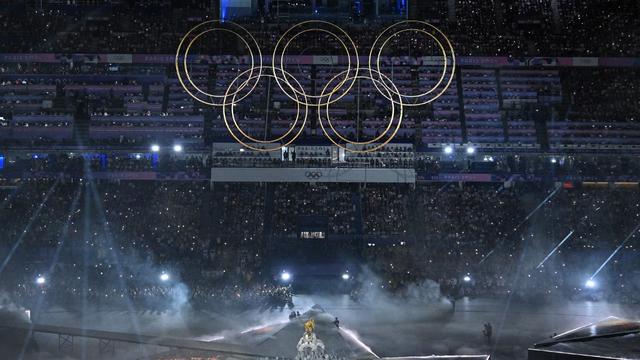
(556, 14)
(215, 9)
(463, 119)
(540, 117)
(413, 10)
(503, 116)
(498, 10)
(208, 126)
(81, 122)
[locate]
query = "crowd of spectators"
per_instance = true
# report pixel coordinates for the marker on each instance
(119, 237)
(604, 95)
(104, 290)
(385, 210)
(333, 205)
(486, 240)
(52, 164)
(497, 28)
(112, 240)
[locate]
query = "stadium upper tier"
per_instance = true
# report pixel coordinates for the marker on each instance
(107, 100)
(503, 27)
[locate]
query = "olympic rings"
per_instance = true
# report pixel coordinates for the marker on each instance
(247, 81)
(314, 175)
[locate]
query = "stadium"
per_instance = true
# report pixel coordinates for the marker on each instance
(319, 179)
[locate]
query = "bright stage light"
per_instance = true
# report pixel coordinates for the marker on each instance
(41, 280)
(448, 149)
(345, 276)
(155, 148)
(590, 284)
(177, 148)
(471, 150)
(285, 276)
(466, 278)
(164, 277)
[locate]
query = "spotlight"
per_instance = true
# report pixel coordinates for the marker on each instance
(138, 156)
(164, 277)
(155, 148)
(471, 150)
(285, 276)
(466, 278)
(590, 284)
(345, 276)
(40, 280)
(177, 148)
(448, 149)
(554, 160)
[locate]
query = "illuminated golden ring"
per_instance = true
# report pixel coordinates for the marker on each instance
(449, 46)
(393, 110)
(364, 143)
(349, 68)
(233, 103)
(186, 55)
(178, 66)
(187, 51)
(444, 57)
(344, 46)
(233, 116)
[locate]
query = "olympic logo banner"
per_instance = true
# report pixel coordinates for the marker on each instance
(314, 175)
(333, 90)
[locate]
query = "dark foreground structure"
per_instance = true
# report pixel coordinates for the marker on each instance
(611, 338)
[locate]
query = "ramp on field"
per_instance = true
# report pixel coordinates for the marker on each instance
(170, 342)
(282, 338)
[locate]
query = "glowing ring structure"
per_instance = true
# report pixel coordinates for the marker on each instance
(444, 60)
(365, 143)
(182, 67)
(186, 55)
(233, 102)
(393, 110)
(281, 66)
(415, 25)
(382, 82)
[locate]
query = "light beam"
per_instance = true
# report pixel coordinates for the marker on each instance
(52, 268)
(555, 248)
(522, 222)
(28, 227)
(357, 340)
(615, 251)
